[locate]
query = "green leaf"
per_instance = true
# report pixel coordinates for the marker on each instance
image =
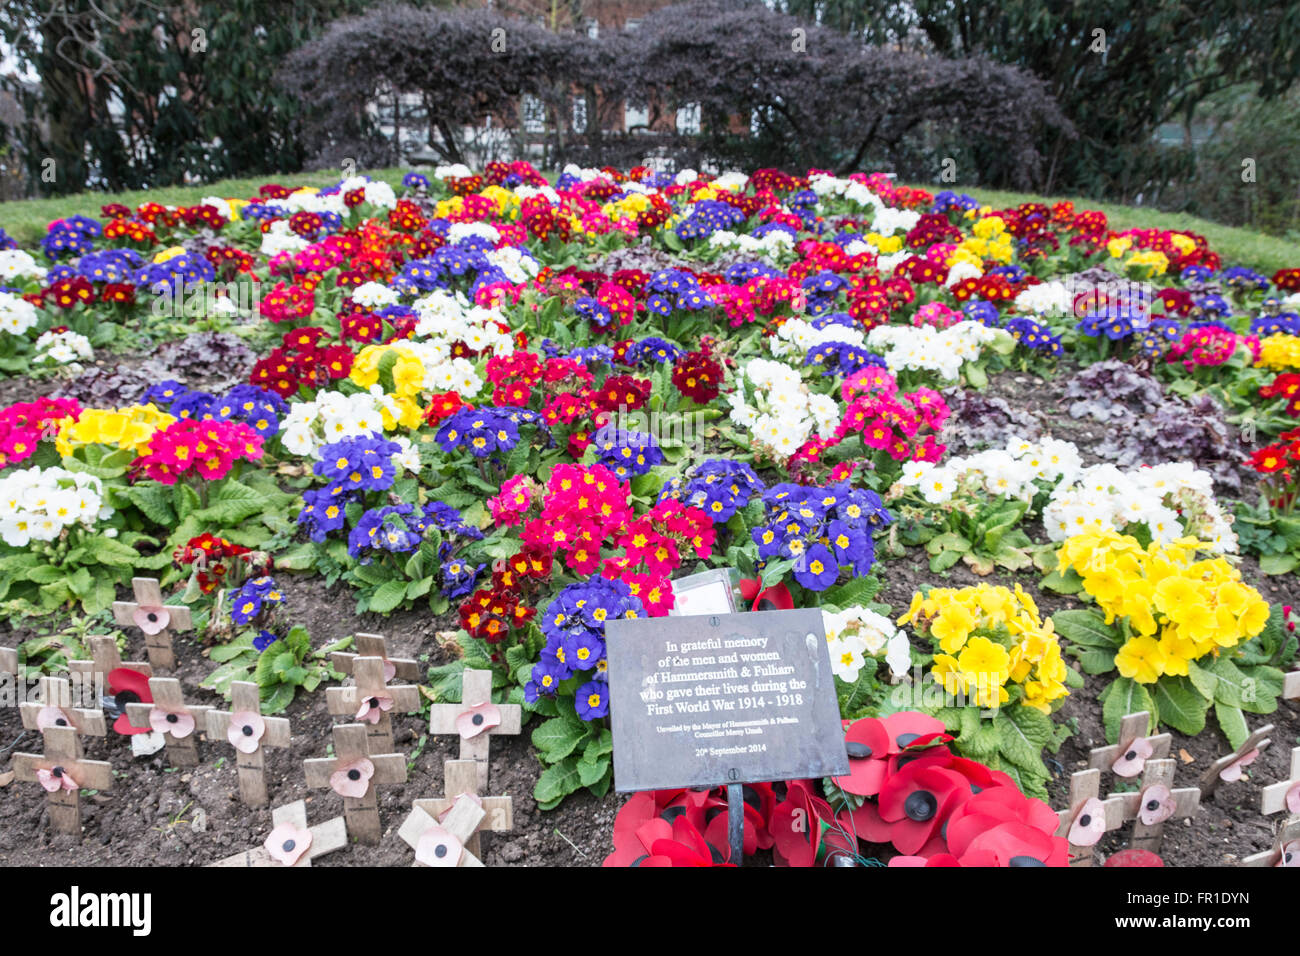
(1232, 722)
(1181, 706)
(387, 596)
(1124, 696)
(1279, 563)
(155, 501)
(1023, 732)
(853, 593)
(557, 782)
(558, 737)
(1087, 628)
(112, 552)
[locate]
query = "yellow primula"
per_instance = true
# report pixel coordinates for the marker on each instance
(408, 372)
(130, 427)
(169, 253)
(1279, 351)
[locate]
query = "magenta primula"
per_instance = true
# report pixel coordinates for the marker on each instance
(206, 448)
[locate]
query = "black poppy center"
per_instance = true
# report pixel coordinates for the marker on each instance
(125, 697)
(1153, 805)
(1085, 820)
(354, 774)
(57, 772)
(856, 750)
(1026, 861)
(440, 850)
(247, 730)
(905, 739)
(476, 719)
(289, 845)
(172, 718)
(1131, 755)
(920, 806)
(151, 617)
(374, 701)
(60, 722)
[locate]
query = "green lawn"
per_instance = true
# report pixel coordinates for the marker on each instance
(1244, 247)
(26, 220)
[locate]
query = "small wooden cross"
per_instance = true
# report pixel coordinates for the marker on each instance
(155, 619)
(63, 773)
(461, 777)
(476, 711)
(371, 701)
(169, 715)
(1285, 794)
(1158, 801)
(1127, 758)
(105, 658)
(443, 842)
(354, 773)
(289, 824)
(1285, 850)
(1255, 744)
(9, 661)
(249, 733)
(372, 645)
(1093, 816)
(55, 709)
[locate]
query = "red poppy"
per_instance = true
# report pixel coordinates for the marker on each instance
(775, 598)
(128, 686)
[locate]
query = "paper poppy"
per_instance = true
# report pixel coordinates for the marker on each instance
(1293, 799)
(1133, 857)
(439, 847)
(128, 687)
(1157, 805)
(178, 723)
(1089, 824)
(867, 742)
(1233, 771)
(1290, 855)
(477, 720)
(373, 708)
(1015, 845)
(352, 779)
(287, 843)
(48, 717)
(775, 598)
(916, 801)
(245, 732)
(55, 779)
(151, 620)
(1133, 758)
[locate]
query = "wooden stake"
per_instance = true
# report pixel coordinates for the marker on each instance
(373, 645)
(62, 760)
(443, 842)
(1285, 850)
(461, 777)
(373, 693)
(56, 709)
(105, 658)
(336, 773)
(1157, 774)
(1291, 686)
(476, 697)
(325, 838)
(246, 704)
(1085, 786)
(170, 710)
(8, 661)
(1256, 743)
(156, 620)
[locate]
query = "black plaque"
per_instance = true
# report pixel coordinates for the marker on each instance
(729, 698)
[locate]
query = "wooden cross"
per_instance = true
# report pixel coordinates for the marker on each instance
(1093, 816)
(55, 709)
(371, 700)
(1285, 850)
(169, 715)
(288, 824)
(1127, 755)
(372, 645)
(460, 777)
(443, 842)
(155, 619)
(63, 773)
(477, 710)
(354, 773)
(1256, 743)
(8, 661)
(1159, 798)
(249, 733)
(104, 658)
(1285, 794)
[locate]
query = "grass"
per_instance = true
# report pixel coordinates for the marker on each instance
(26, 220)
(1237, 246)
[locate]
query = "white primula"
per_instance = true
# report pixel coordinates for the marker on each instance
(960, 272)
(1021, 470)
(278, 238)
(453, 171)
(331, 416)
(887, 220)
(37, 504)
(937, 350)
(775, 243)
(1046, 298)
(447, 318)
(381, 195)
(63, 349)
(859, 632)
(374, 295)
(17, 315)
(17, 264)
(784, 414)
(518, 264)
(795, 337)
(466, 230)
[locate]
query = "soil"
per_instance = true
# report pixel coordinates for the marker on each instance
(151, 817)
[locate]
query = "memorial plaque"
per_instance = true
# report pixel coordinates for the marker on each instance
(698, 701)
